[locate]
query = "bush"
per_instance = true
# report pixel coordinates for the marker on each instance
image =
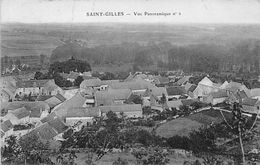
(146, 123)
(179, 142)
(120, 161)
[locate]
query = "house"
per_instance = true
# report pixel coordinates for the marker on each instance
(55, 100)
(205, 87)
(136, 85)
(58, 125)
(251, 105)
(237, 96)
(78, 100)
(216, 97)
(79, 116)
(224, 85)
(255, 93)
(155, 92)
(174, 104)
(183, 80)
(189, 88)
(7, 90)
(36, 114)
(233, 87)
(106, 83)
(48, 130)
(33, 111)
(18, 116)
(6, 128)
(69, 93)
(28, 105)
(175, 92)
(112, 96)
(93, 84)
(140, 75)
(130, 110)
(72, 76)
(50, 88)
(33, 87)
(161, 81)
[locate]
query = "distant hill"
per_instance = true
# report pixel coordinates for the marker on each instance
(224, 46)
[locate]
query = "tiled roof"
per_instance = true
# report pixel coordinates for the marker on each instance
(206, 81)
(121, 108)
(27, 104)
(2, 134)
(60, 97)
(255, 92)
(137, 84)
(109, 82)
(174, 104)
(77, 100)
(49, 117)
(250, 102)
(241, 94)
(188, 102)
(83, 112)
(43, 97)
(31, 83)
(161, 80)
(156, 91)
(53, 101)
(175, 90)
(7, 87)
(130, 77)
(107, 97)
(50, 85)
(190, 87)
(6, 125)
(219, 94)
(45, 131)
(183, 80)
(36, 112)
(21, 112)
(90, 83)
(58, 125)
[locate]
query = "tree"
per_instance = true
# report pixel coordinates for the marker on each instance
(38, 75)
(78, 81)
(18, 63)
(185, 110)
(12, 149)
(134, 99)
(151, 156)
(240, 126)
(32, 148)
(108, 76)
(203, 140)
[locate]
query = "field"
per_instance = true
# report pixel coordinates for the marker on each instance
(180, 126)
(183, 126)
(36, 39)
(22, 43)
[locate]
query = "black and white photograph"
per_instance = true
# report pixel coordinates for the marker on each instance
(130, 82)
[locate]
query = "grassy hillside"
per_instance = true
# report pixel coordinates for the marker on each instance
(184, 126)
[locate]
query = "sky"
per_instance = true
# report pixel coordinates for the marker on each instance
(74, 11)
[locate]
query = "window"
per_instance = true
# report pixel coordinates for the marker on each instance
(258, 107)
